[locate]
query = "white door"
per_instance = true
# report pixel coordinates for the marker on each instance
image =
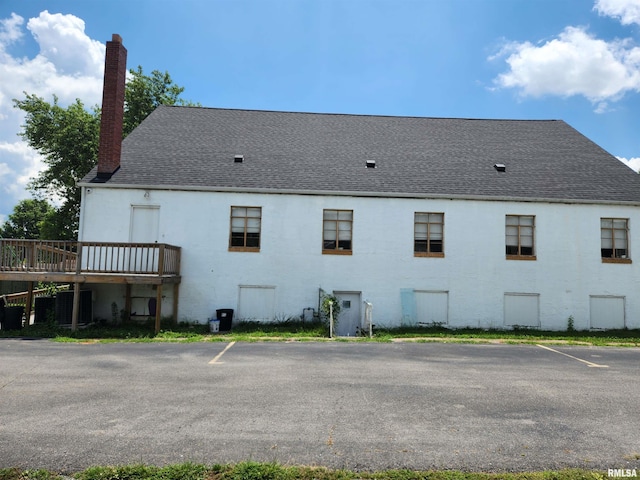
(606, 312)
(145, 221)
(145, 226)
(256, 303)
(350, 314)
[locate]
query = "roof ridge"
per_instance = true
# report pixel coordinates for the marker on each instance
(288, 112)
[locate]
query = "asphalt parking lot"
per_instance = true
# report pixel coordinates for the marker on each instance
(364, 406)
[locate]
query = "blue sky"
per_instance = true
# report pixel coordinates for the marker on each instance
(575, 60)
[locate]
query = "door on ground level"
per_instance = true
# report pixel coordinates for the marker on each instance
(349, 319)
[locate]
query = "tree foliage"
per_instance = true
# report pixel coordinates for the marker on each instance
(27, 220)
(145, 92)
(68, 140)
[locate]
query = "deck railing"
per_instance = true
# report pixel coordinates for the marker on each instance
(88, 257)
(21, 298)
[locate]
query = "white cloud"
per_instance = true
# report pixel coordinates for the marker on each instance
(18, 164)
(69, 64)
(632, 163)
(64, 44)
(10, 30)
(574, 63)
(627, 11)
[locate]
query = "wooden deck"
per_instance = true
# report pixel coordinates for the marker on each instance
(82, 263)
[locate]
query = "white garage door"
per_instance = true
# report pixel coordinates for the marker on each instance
(606, 312)
(256, 303)
(521, 309)
(432, 308)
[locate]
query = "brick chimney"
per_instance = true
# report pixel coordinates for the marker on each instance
(115, 69)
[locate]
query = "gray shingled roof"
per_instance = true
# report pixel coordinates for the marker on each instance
(192, 147)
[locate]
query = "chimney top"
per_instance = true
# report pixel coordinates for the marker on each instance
(111, 122)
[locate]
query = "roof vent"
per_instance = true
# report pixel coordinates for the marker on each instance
(501, 167)
(371, 164)
(238, 159)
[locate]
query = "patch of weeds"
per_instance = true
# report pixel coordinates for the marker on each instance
(288, 328)
(17, 474)
(10, 474)
(258, 471)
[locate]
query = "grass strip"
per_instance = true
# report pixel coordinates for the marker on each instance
(274, 471)
(316, 331)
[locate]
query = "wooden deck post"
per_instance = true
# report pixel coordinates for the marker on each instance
(76, 291)
(127, 303)
(158, 307)
(76, 307)
(176, 292)
(29, 303)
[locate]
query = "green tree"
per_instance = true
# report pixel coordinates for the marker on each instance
(68, 139)
(27, 220)
(145, 92)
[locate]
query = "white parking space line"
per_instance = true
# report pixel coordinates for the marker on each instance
(589, 364)
(217, 357)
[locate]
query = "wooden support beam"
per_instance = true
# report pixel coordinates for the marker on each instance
(29, 304)
(127, 303)
(176, 298)
(76, 291)
(76, 307)
(158, 307)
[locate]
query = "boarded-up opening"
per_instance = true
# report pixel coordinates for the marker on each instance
(256, 303)
(145, 227)
(606, 312)
(145, 221)
(522, 310)
(432, 308)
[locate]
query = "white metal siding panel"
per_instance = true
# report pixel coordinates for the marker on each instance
(606, 312)
(521, 310)
(432, 307)
(256, 303)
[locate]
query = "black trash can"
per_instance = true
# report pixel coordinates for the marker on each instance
(225, 315)
(13, 318)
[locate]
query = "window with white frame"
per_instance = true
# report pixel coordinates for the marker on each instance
(337, 229)
(519, 237)
(245, 229)
(614, 240)
(428, 234)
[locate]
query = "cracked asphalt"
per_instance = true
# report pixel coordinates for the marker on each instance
(362, 406)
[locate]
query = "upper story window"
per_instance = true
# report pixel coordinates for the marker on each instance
(245, 229)
(428, 234)
(519, 235)
(614, 240)
(337, 228)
